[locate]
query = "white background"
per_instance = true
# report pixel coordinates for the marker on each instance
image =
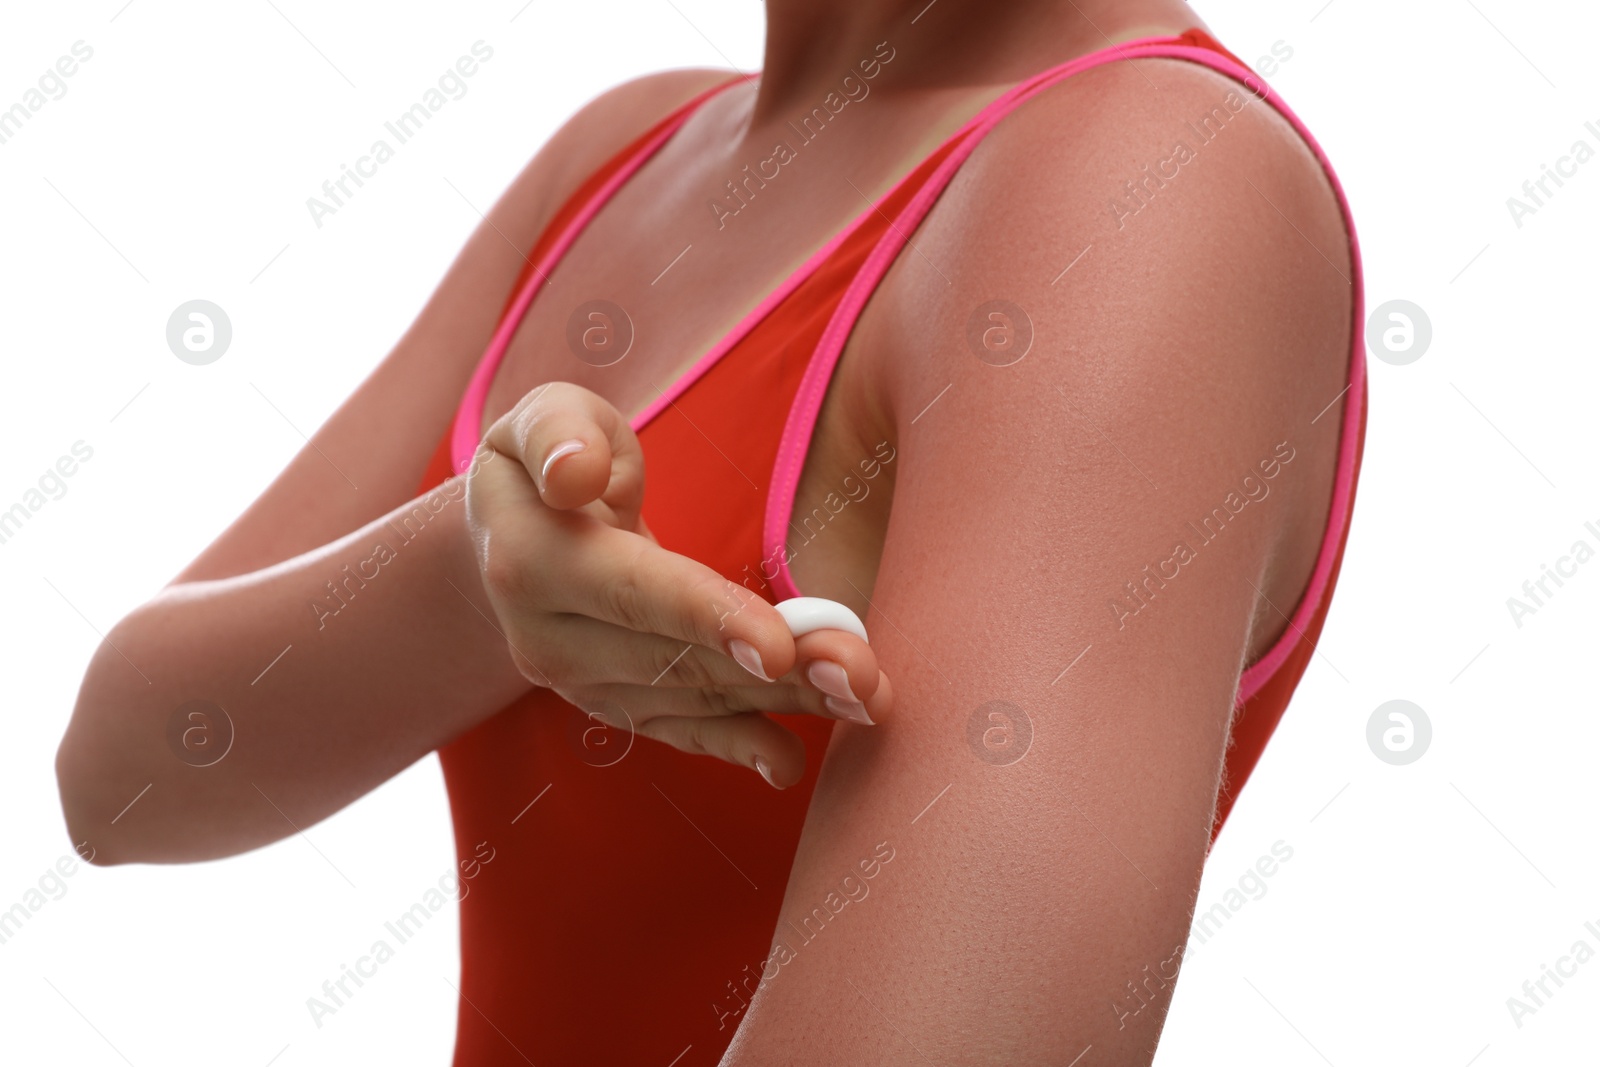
(177, 166)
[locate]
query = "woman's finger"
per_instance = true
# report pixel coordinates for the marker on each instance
(603, 653)
(844, 669)
(621, 578)
(653, 701)
(616, 655)
(578, 449)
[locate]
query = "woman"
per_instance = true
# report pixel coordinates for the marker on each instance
(1064, 284)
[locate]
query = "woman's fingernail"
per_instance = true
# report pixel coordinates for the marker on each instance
(829, 677)
(853, 710)
(565, 448)
(748, 657)
(766, 772)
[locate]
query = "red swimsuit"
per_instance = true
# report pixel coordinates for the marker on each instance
(634, 883)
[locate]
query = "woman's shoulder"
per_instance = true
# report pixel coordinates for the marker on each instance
(1134, 161)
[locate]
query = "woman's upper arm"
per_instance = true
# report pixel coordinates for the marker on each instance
(371, 453)
(1044, 789)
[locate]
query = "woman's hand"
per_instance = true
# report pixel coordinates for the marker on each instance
(638, 636)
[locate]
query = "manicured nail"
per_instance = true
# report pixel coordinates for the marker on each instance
(748, 657)
(829, 677)
(565, 448)
(853, 710)
(766, 772)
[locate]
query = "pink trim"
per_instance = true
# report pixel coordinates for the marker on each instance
(803, 414)
(750, 321)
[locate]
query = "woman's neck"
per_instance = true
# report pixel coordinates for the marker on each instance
(812, 44)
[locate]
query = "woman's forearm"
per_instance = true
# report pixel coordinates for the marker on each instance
(223, 715)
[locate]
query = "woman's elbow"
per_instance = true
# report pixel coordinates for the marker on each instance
(117, 810)
(108, 760)
(79, 780)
